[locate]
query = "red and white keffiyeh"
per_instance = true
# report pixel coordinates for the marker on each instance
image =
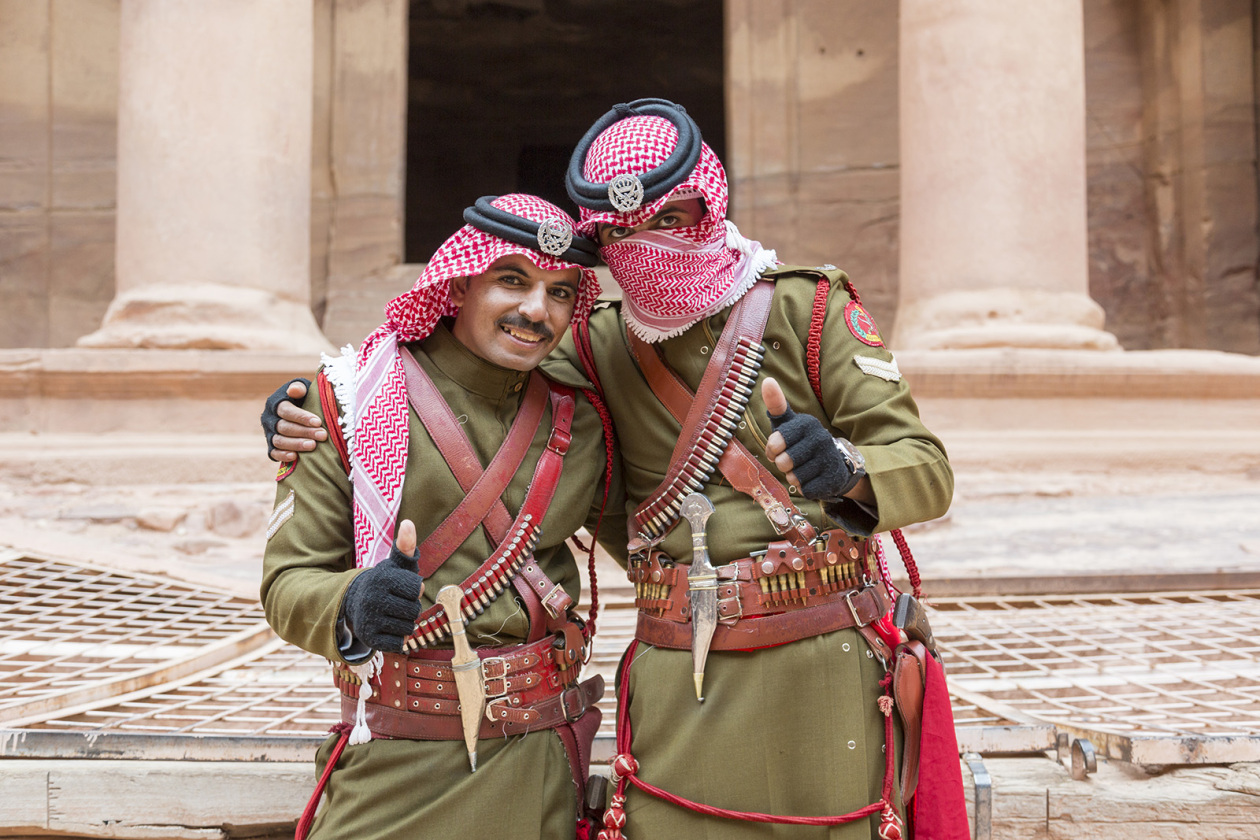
(374, 399)
(670, 278)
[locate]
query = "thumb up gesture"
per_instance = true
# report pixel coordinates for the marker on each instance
(823, 467)
(383, 603)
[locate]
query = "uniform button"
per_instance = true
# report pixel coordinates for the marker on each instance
(516, 387)
(845, 647)
(704, 351)
(853, 745)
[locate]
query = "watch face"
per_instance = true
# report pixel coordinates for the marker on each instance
(851, 454)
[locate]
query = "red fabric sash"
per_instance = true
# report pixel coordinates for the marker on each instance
(939, 805)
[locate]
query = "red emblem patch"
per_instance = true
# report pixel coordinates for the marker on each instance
(286, 469)
(861, 324)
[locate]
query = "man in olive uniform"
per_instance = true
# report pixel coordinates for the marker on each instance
(446, 385)
(791, 722)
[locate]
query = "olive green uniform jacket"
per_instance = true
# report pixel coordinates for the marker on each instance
(789, 730)
(399, 788)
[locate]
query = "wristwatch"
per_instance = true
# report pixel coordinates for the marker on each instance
(853, 460)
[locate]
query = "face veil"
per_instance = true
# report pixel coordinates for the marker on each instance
(671, 279)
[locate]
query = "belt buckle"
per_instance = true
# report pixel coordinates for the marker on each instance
(493, 662)
(576, 692)
(848, 599)
(495, 693)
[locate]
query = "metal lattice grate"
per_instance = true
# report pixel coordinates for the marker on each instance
(117, 658)
(71, 635)
(1160, 678)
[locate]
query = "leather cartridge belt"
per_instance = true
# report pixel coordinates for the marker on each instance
(772, 597)
(526, 690)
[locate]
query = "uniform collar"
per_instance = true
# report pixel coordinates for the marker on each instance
(469, 370)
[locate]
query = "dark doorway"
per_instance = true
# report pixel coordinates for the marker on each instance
(500, 91)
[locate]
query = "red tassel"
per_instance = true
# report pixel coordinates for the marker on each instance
(889, 824)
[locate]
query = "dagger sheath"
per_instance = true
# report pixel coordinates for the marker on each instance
(466, 666)
(702, 584)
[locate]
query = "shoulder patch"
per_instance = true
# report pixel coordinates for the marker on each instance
(861, 324)
(878, 367)
(282, 514)
(286, 469)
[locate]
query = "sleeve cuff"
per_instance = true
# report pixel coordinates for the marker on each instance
(853, 516)
(351, 649)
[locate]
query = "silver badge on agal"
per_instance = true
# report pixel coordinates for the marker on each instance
(554, 237)
(625, 192)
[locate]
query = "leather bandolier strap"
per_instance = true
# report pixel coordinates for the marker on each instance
(546, 602)
(737, 465)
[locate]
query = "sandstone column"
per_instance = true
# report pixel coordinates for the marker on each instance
(214, 177)
(994, 250)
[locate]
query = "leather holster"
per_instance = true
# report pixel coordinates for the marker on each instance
(909, 682)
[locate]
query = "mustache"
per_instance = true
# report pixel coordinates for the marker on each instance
(523, 323)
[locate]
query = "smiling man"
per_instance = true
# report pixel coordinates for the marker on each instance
(444, 427)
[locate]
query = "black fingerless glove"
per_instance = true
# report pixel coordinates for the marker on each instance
(824, 473)
(382, 604)
(270, 417)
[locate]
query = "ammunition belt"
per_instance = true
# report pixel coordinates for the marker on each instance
(528, 687)
(772, 597)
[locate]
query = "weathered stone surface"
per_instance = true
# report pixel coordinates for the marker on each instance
(153, 799)
(232, 519)
(99, 513)
(24, 104)
(81, 274)
(160, 518)
(1119, 230)
(813, 151)
(24, 267)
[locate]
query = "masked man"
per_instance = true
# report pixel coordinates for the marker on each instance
(441, 420)
(719, 352)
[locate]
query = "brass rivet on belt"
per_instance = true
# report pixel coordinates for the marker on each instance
(782, 553)
(415, 704)
(439, 686)
(397, 683)
(767, 567)
(853, 745)
(853, 552)
(798, 563)
(397, 704)
(397, 664)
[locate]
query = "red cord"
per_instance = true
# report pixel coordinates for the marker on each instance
(625, 769)
(813, 345)
(907, 559)
(308, 815)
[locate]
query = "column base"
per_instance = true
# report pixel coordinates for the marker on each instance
(207, 317)
(1003, 318)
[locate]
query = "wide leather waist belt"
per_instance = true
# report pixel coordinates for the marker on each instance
(566, 706)
(528, 687)
(855, 608)
(776, 596)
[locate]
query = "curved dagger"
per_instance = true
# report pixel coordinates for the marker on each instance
(702, 581)
(467, 668)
